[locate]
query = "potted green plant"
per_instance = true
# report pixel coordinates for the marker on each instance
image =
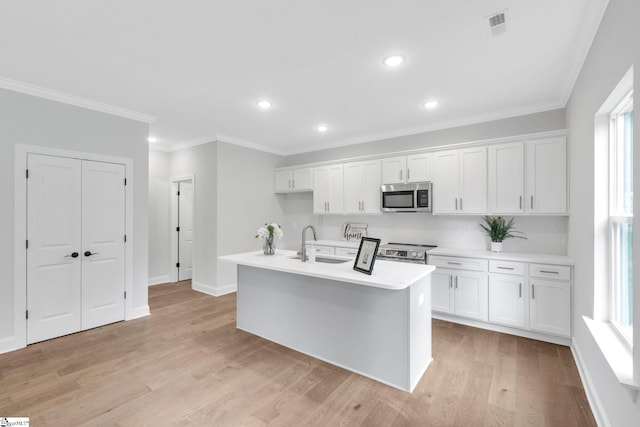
(498, 229)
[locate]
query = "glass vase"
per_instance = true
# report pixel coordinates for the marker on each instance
(269, 246)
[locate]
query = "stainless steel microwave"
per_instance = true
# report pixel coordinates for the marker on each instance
(413, 197)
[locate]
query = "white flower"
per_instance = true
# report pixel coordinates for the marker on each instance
(269, 231)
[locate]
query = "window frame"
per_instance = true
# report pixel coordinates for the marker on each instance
(617, 215)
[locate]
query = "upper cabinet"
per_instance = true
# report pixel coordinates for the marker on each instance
(529, 178)
(460, 181)
(362, 187)
(288, 180)
(403, 169)
(328, 189)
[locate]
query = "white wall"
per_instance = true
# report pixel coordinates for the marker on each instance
(36, 121)
(159, 217)
(614, 50)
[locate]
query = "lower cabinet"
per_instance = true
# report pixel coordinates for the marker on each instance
(521, 295)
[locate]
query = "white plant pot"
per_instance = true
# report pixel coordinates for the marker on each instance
(496, 246)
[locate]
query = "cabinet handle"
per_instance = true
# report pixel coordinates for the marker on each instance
(408, 174)
(451, 281)
(505, 268)
(460, 203)
(454, 263)
(289, 183)
(362, 205)
(531, 202)
(520, 290)
(329, 206)
(533, 291)
(456, 203)
(549, 272)
(456, 282)
(400, 174)
(293, 183)
(520, 202)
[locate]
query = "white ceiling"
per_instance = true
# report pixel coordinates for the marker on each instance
(200, 66)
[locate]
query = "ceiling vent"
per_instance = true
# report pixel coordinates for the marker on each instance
(497, 23)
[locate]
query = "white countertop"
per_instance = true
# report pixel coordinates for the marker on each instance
(386, 274)
(503, 256)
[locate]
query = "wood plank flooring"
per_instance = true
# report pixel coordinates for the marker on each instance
(188, 365)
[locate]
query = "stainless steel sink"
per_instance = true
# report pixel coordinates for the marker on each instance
(326, 260)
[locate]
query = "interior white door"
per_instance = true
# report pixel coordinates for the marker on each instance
(185, 235)
(53, 247)
(103, 243)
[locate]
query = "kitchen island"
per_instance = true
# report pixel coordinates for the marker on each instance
(378, 326)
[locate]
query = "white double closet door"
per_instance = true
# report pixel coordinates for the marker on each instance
(75, 247)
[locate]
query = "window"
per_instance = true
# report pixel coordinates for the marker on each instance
(621, 217)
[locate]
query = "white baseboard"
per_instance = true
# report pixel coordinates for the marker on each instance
(159, 280)
(137, 312)
(589, 388)
(215, 291)
(10, 344)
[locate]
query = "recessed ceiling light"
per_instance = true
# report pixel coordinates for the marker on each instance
(152, 139)
(431, 104)
(393, 60)
(322, 128)
(264, 104)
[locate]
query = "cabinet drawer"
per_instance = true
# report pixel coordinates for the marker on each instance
(473, 264)
(506, 267)
(326, 250)
(561, 272)
(350, 252)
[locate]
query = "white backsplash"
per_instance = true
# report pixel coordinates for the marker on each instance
(545, 234)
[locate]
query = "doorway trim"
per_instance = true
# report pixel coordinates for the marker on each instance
(173, 188)
(19, 339)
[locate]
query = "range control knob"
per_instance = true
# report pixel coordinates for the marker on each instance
(413, 254)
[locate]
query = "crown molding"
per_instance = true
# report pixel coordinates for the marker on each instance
(77, 101)
(423, 129)
(248, 144)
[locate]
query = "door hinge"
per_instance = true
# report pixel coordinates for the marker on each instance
(125, 237)
(27, 174)
(27, 243)
(125, 181)
(178, 264)
(178, 229)
(27, 314)
(125, 294)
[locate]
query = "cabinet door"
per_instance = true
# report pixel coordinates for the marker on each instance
(320, 190)
(353, 184)
(371, 187)
(471, 295)
(302, 179)
(336, 189)
(445, 182)
(393, 170)
(442, 291)
(550, 307)
(546, 183)
(419, 167)
(283, 181)
(506, 178)
(473, 181)
(507, 300)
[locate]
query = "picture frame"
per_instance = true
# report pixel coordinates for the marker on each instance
(367, 253)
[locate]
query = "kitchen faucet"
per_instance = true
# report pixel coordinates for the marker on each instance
(303, 250)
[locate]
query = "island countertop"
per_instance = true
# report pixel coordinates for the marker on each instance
(386, 274)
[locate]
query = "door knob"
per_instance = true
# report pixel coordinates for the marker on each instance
(73, 255)
(89, 253)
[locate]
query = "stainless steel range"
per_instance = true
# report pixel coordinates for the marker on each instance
(404, 252)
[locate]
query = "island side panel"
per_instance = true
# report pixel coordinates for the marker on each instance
(361, 328)
(420, 329)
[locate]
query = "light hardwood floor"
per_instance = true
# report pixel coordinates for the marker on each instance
(188, 365)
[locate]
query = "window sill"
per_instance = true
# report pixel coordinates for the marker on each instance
(618, 355)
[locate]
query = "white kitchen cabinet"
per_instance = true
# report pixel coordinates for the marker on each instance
(293, 179)
(362, 187)
(546, 176)
(506, 178)
(460, 181)
(405, 169)
(347, 252)
(321, 249)
(550, 301)
(461, 291)
(507, 300)
(328, 189)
